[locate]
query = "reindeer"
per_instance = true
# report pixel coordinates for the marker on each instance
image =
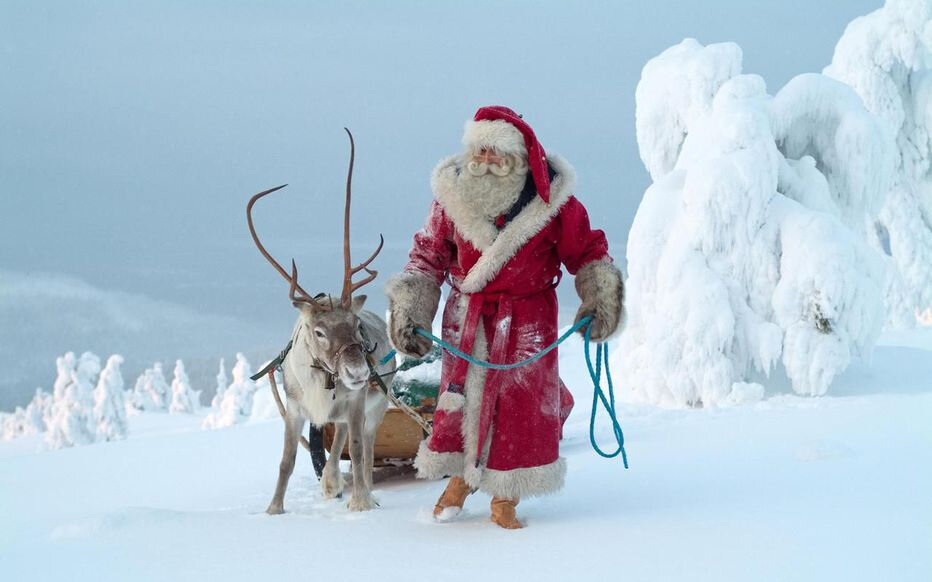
(327, 371)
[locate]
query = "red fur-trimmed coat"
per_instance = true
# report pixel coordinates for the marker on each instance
(502, 308)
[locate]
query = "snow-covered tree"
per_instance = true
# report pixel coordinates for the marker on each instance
(13, 425)
(71, 420)
(85, 376)
(736, 259)
(109, 402)
(151, 392)
(27, 421)
(221, 386)
(6, 426)
(64, 367)
(886, 57)
(182, 395)
(38, 409)
(236, 404)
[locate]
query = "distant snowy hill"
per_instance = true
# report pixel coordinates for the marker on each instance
(45, 315)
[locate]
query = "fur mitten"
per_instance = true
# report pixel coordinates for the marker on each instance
(412, 302)
(602, 294)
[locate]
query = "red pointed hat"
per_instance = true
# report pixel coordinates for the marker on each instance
(506, 132)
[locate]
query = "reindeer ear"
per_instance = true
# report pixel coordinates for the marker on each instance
(304, 306)
(358, 302)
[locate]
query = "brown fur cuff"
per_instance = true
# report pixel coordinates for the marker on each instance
(601, 291)
(412, 302)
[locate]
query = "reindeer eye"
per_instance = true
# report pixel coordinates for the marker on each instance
(319, 333)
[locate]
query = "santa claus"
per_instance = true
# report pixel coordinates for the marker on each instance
(502, 223)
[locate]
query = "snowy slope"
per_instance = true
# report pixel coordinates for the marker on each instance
(790, 488)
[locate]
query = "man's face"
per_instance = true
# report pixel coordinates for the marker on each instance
(487, 156)
(488, 160)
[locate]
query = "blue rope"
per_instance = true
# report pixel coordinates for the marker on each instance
(594, 373)
(609, 405)
(461, 354)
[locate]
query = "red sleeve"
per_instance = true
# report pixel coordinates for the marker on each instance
(577, 243)
(433, 249)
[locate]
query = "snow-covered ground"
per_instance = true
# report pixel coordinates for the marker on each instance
(789, 488)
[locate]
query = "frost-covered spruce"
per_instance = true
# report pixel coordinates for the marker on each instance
(109, 402)
(839, 156)
(151, 392)
(27, 421)
(221, 386)
(85, 376)
(5, 426)
(64, 367)
(236, 405)
(71, 420)
(886, 56)
(13, 425)
(39, 409)
(730, 271)
(182, 395)
(64, 376)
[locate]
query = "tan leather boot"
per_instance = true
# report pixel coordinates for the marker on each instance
(451, 502)
(503, 513)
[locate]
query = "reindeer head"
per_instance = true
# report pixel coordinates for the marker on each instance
(331, 332)
(335, 338)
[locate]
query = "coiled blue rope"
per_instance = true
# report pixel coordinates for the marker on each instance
(595, 373)
(598, 395)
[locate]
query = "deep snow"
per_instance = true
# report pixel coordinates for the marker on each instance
(790, 488)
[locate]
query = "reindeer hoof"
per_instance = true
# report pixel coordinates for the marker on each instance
(361, 503)
(275, 509)
(331, 486)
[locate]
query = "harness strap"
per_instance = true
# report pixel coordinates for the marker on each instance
(274, 364)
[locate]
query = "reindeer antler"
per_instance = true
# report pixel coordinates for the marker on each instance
(293, 279)
(346, 297)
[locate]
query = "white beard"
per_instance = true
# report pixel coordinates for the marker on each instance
(489, 196)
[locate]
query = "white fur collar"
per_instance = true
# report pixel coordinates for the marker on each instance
(498, 247)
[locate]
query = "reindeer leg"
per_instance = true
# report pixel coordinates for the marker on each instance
(373, 420)
(368, 456)
(331, 482)
(294, 424)
(361, 499)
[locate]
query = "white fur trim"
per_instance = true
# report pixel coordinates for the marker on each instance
(475, 387)
(448, 513)
(522, 483)
(450, 401)
(498, 247)
(496, 134)
(433, 465)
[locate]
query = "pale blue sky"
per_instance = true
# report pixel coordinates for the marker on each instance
(132, 133)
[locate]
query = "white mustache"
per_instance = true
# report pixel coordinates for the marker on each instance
(482, 168)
